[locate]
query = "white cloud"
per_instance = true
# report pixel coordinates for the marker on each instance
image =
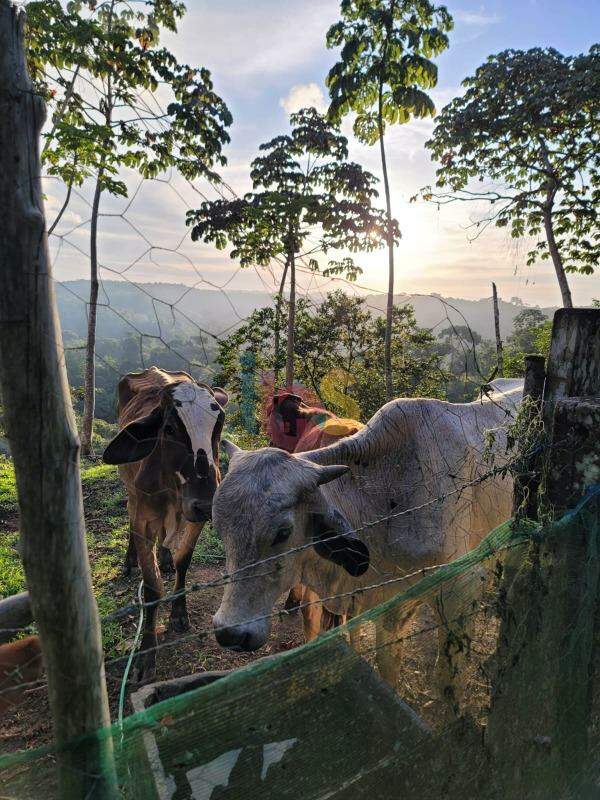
(245, 42)
(302, 96)
(475, 18)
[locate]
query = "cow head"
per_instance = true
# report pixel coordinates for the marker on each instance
(269, 502)
(181, 434)
(288, 419)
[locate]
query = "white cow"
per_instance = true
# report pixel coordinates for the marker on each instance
(411, 451)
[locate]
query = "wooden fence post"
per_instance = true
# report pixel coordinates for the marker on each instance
(499, 348)
(41, 429)
(538, 725)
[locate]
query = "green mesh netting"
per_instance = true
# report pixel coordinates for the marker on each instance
(319, 722)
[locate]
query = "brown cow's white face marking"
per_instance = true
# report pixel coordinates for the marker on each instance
(199, 411)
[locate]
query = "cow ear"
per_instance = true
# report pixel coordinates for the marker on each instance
(229, 448)
(221, 396)
(332, 472)
(136, 441)
(333, 540)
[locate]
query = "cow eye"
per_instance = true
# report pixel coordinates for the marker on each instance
(282, 535)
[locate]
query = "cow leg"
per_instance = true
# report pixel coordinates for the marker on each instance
(131, 559)
(390, 630)
(165, 559)
(294, 598)
(312, 615)
(179, 620)
(145, 670)
(329, 620)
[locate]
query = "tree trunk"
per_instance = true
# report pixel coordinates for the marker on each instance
(499, 351)
(89, 398)
(289, 364)
(389, 385)
(43, 437)
(277, 342)
(561, 275)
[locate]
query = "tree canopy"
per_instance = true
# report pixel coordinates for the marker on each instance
(385, 62)
(97, 65)
(102, 69)
(529, 122)
(339, 351)
(304, 186)
(382, 76)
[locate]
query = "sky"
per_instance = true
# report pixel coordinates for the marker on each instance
(268, 58)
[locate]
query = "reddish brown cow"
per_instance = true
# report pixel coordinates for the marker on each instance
(297, 427)
(20, 663)
(168, 455)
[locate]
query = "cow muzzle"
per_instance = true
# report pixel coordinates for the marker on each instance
(197, 511)
(243, 637)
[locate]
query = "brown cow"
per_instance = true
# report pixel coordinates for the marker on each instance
(20, 664)
(294, 424)
(168, 452)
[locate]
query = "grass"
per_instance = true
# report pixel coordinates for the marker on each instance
(12, 577)
(106, 534)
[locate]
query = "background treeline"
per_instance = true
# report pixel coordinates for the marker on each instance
(338, 345)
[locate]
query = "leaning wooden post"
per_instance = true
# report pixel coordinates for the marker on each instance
(548, 649)
(499, 348)
(41, 429)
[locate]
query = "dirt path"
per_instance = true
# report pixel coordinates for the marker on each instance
(29, 725)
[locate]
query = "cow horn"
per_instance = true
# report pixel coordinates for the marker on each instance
(230, 448)
(332, 472)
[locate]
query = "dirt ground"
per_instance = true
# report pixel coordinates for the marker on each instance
(29, 725)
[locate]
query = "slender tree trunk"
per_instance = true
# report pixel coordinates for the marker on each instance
(559, 268)
(41, 429)
(89, 399)
(277, 344)
(389, 385)
(289, 364)
(499, 350)
(63, 208)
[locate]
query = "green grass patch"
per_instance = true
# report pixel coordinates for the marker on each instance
(209, 547)
(12, 577)
(8, 488)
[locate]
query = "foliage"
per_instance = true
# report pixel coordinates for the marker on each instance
(385, 68)
(469, 360)
(528, 121)
(302, 184)
(130, 353)
(382, 76)
(339, 350)
(96, 65)
(532, 332)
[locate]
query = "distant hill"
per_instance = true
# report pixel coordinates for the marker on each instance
(436, 311)
(170, 309)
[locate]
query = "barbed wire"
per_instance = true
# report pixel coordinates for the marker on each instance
(283, 613)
